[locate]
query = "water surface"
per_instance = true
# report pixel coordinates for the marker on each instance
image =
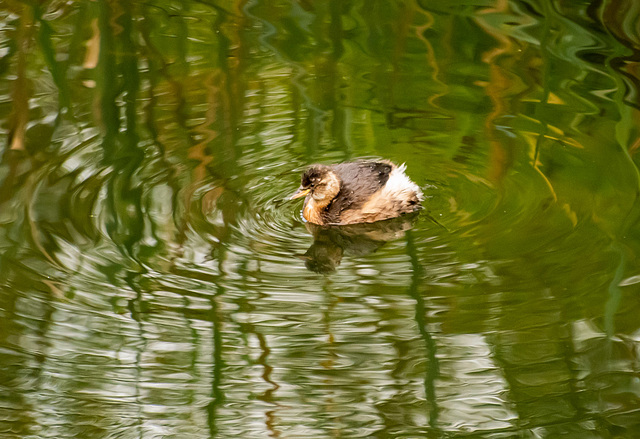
(156, 283)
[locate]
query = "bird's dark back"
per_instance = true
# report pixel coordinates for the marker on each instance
(359, 181)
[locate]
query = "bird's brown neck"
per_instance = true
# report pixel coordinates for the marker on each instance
(318, 202)
(313, 211)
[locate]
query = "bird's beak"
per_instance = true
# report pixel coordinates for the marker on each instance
(301, 192)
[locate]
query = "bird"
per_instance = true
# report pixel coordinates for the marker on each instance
(360, 191)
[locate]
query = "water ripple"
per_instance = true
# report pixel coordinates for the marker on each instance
(157, 282)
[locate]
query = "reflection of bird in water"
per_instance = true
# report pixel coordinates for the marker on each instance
(330, 243)
(362, 191)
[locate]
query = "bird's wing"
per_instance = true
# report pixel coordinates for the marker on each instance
(359, 181)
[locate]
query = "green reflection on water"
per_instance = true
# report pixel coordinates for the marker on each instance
(155, 283)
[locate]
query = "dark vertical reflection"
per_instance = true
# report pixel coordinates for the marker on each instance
(531, 347)
(613, 302)
(121, 150)
(433, 370)
(14, 158)
(19, 417)
(333, 83)
(271, 419)
(232, 57)
(329, 362)
(57, 69)
(132, 154)
(108, 83)
(217, 395)
(21, 86)
(620, 18)
(138, 308)
(163, 74)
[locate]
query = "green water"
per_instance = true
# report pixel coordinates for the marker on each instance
(154, 282)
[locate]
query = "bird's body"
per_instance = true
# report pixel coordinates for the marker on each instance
(362, 191)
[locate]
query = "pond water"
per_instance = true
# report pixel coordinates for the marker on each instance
(156, 283)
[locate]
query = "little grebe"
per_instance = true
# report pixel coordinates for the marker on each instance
(362, 191)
